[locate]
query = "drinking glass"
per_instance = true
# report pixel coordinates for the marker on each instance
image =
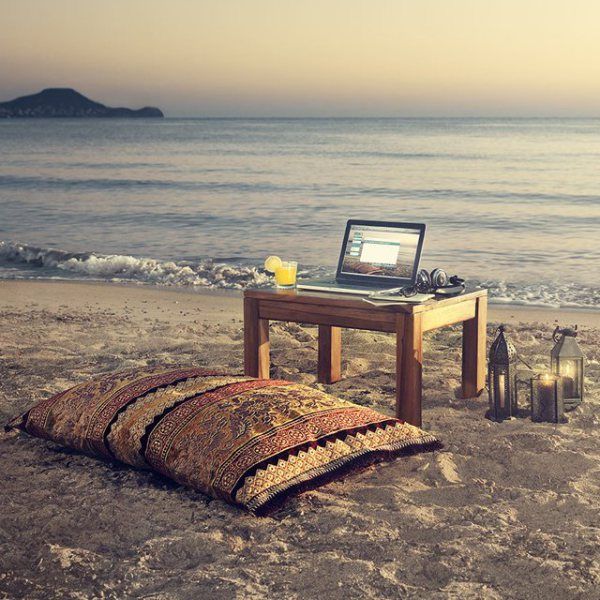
(285, 275)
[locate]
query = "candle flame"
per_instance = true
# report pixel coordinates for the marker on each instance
(567, 370)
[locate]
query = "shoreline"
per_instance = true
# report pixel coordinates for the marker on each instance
(20, 262)
(149, 301)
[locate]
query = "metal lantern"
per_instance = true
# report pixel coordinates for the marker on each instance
(547, 398)
(502, 377)
(567, 361)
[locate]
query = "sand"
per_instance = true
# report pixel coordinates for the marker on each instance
(505, 510)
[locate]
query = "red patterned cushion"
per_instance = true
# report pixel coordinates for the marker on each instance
(245, 440)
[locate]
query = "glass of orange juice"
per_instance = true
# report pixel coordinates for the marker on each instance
(285, 274)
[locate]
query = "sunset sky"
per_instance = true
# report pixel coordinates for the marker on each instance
(310, 57)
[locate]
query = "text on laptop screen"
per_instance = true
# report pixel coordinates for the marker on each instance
(380, 251)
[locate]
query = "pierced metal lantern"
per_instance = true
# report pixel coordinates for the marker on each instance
(502, 377)
(547, 402)
(567, 360)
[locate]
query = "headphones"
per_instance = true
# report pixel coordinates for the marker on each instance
(438, 283)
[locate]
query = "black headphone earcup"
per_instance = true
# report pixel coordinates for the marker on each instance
(423, 282)
(439, 278)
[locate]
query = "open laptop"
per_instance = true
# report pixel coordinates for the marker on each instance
(375, 255)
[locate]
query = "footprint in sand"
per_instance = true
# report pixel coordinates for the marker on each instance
(448, 468)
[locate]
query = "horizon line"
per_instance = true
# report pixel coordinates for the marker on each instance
(389, 117)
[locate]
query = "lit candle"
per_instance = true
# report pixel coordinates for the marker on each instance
(546, 396)
(501, 389)
(568, 372)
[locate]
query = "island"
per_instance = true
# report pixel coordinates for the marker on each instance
(67, 102)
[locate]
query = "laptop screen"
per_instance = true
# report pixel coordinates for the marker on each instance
(380, 251)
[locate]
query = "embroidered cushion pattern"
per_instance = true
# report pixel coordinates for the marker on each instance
(248, 441)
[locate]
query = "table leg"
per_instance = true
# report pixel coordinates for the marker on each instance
(330, 354)
(409, 366)
(473, 354)
(256, 341)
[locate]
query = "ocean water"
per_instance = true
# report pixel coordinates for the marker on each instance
(512, 204)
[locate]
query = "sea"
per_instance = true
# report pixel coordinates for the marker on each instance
(512, 205)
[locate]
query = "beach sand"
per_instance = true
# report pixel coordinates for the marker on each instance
(505, 510)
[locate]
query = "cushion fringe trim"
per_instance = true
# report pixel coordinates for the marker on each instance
(261, 500)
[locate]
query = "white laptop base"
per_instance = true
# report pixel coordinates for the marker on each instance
(337, 288)
(381, 299)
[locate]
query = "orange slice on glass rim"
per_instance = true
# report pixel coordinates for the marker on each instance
(272, 263)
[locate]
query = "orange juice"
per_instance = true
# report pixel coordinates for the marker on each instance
(285, 275)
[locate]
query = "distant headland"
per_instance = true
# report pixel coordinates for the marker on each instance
(66, 102)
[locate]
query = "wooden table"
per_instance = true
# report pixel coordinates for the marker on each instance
(331, 312)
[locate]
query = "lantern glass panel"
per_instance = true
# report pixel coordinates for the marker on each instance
(547, 399)
(570, 370)
(500, 388)
(502, 392)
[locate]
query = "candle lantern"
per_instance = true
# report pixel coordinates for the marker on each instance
(567, 361)
(502, 377)
(547, 398)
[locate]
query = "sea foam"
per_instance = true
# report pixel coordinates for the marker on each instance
(28, 262)
(52, 262)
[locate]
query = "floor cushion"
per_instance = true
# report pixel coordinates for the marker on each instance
(248, 441)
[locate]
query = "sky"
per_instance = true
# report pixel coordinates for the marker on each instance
(310, 57)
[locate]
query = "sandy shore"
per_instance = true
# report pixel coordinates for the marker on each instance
(504, 511)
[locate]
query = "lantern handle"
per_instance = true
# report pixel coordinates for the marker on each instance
(556, 334)
(567, 331)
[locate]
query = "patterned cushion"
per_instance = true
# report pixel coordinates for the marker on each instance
(245, 440)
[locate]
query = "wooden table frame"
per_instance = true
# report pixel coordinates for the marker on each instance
(331, 312)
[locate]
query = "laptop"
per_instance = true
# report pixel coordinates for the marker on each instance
(375, 255)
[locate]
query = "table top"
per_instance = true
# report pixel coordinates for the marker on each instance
(353, 301)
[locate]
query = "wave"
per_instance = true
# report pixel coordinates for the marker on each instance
(544, 295)
(27, 261)
(53, 262)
